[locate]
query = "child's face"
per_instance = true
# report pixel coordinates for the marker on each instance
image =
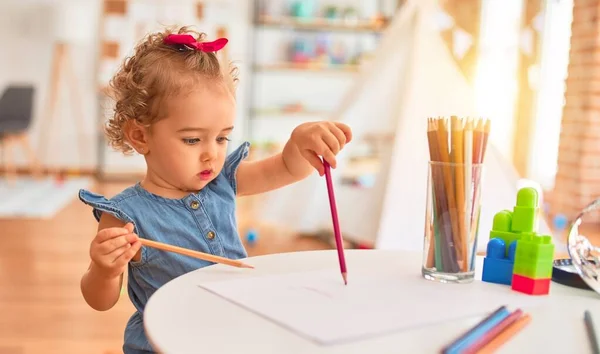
(187, 149)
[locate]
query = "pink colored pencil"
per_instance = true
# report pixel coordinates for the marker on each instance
(336, 225)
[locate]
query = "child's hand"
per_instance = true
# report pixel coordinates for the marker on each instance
(324, 139)
(113, 248)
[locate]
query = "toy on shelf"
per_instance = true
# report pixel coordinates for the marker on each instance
(350, 15)
(300, 51)
(338, 53)
(303, 9)
(321, 51)
(322, 45)
(516, 254)
(331, 12)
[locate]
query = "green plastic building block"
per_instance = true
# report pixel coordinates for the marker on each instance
(538, 270)
(534, 256)
(524, 218)
(501, 229)
(535, 248)
(503, 221)
(527, 197)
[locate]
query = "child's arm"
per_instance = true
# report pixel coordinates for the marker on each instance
(300, 156)
(113, 247)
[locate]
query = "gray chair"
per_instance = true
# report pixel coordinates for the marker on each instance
(16, 109)
(16, 116)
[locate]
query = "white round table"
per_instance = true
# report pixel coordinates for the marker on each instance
(182, 317)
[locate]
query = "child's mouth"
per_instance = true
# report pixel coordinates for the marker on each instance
(206, 174)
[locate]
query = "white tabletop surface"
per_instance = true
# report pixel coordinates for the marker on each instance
(183, 318)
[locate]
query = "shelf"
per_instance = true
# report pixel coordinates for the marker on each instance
(263, 112)
(314, 67)
(322, 24)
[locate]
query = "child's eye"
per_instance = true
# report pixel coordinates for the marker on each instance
(190, 141)
(222, 139)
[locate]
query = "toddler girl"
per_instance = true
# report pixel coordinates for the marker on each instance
(175, 105)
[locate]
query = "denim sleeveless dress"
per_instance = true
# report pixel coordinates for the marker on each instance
(203, 221)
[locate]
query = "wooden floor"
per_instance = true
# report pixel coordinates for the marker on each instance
(41, 262)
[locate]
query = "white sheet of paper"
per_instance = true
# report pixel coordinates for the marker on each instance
(318, 306)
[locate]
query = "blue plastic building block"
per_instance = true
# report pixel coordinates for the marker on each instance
(497, 268)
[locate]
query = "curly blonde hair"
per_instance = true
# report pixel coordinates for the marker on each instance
(154, 72)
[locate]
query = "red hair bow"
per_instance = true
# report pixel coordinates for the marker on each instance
(190, 41)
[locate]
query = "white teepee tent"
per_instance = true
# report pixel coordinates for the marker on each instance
(413, 77)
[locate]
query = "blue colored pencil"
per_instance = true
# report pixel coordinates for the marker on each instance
(473, 334)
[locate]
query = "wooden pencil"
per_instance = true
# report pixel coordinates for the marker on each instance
(478, 141)
(442, 218)
(505, 335)
(468, 158)
(433, 242)
(336, 225)
(484, 131)
(477, 152)
(494, 332)
(459, 188)
(456, 346)
(190, 253)
(443, 258)
(447, 219)
(448, 185)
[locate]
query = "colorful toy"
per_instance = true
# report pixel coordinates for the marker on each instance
(532, 271)
(338, 53)
(322, 45)
(497, 267)
(300, 51)
(303, 9)
(502, 229)
(331, 12)
(530, 254)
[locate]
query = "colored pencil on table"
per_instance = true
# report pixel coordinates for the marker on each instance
(336, 225)
(195, 254)
(591, 331)
(494, 332)
(476, 331)
(505, 335)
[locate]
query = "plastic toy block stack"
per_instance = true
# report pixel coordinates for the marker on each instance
(532, 271)
(516, 255)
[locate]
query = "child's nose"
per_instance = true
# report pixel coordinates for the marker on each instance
(209, 153)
